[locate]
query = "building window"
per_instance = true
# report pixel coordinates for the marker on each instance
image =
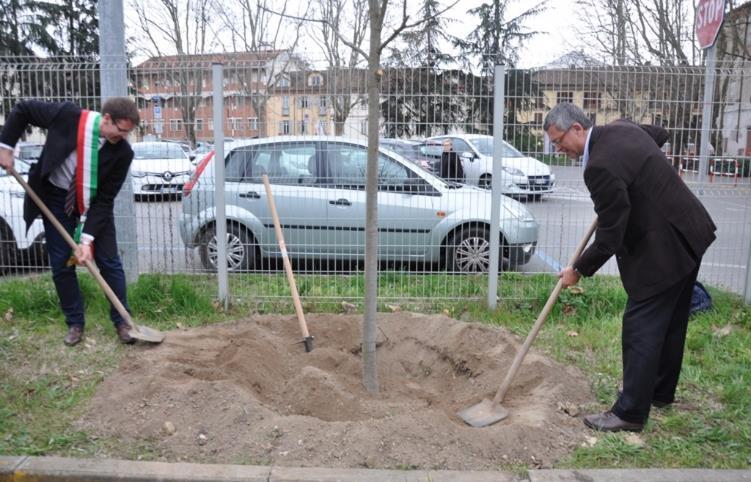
(283, 81)
(175, 125)
(303, 127)
(235, 123)
(199, 125)
(322, 104)
(211, 124)
(303, 102)
(564, 97)
(315, 80)
(592, 100)
(538, 118)
(253, 123)
(364, 127)
(285, 105)
(284, 127)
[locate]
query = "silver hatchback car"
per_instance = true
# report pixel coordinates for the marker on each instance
(318, 185)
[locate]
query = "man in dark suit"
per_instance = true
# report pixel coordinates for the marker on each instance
(81, 169)
(451, 164)
(658, 231)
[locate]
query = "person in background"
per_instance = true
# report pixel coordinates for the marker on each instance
(451, 164)
(81, 169)
(658, 231)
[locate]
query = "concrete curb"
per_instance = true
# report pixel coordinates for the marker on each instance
(59, 469)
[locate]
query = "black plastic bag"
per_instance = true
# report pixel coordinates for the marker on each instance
(700, 299)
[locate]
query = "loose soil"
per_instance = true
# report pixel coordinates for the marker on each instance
(245, 392)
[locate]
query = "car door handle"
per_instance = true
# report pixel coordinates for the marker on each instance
(250, 195)
(341, 202)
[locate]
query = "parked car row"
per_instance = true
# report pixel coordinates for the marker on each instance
(319, 192)
(522, 176)
(319, 188)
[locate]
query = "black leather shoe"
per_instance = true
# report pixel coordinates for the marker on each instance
(74, 336)
(655, 403)
(610, 422)
(123, 333)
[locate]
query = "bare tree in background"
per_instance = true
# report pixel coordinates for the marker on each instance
(639, 32)
(341, 19)
(181, 27)
(255, 28)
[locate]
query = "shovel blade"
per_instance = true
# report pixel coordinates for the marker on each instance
(483, 414)
(144, 333)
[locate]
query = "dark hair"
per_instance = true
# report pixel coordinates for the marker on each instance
(564, 115)
(122, 108)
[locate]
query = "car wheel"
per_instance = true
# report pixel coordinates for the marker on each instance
(241, 248)
(485, 181)
(469, 250)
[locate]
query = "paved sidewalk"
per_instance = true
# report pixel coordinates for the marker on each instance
(58, 469)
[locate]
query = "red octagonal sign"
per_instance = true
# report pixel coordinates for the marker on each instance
(709, 16)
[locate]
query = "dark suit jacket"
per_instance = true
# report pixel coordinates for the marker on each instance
(647, 217)
(61, 122)
(451, 167)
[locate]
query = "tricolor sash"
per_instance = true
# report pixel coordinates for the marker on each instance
(87, 165)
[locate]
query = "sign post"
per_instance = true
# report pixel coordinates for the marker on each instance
(157, 106)
(709, 17)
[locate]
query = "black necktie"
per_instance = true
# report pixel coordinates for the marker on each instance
(70, 198)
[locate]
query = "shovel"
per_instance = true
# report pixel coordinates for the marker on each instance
(142, 333)
(307, 339)
(489, 412)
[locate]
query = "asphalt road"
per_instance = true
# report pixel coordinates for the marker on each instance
(563, 217)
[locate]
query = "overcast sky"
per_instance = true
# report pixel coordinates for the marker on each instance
(558, 24)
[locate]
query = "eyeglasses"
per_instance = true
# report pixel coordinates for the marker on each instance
(122, 131)
(557, 142)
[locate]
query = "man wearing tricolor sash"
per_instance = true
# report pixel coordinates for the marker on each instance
(81, 169)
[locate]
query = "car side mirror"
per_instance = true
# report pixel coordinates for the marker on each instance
(467, 156)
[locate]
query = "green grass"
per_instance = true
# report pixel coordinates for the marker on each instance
(44, 386)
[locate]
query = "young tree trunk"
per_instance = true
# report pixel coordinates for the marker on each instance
(369, 326)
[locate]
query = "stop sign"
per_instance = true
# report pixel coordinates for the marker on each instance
(709, 16)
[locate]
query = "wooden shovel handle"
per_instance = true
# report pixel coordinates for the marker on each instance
(68, 239)
(540, 320)
(285, 259)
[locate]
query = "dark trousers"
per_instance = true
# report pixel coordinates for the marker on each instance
(66, 281)
(653, 337)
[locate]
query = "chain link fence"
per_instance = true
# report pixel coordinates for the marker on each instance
(305, 129)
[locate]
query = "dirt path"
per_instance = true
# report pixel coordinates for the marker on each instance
(245, 393)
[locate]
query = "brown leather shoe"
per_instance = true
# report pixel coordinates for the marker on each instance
(74, 336)
(610, 422)
(123, 333)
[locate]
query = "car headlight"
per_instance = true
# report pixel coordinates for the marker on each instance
(18, 194)
(137, 173)
(517, 210)
(513, 171)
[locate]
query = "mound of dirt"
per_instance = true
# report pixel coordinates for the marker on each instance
(245, 392)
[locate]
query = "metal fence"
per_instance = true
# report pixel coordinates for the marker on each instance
(306, 130)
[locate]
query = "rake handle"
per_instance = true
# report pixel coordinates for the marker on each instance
(541, 320)
(287, 264)
(69, 239)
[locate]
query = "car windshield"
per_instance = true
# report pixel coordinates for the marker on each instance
(163, 150)
(485, 146)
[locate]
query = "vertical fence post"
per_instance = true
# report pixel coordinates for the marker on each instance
(747, 288)
(114, 83)
(706, 116)
(495, 214)
(217, 82)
